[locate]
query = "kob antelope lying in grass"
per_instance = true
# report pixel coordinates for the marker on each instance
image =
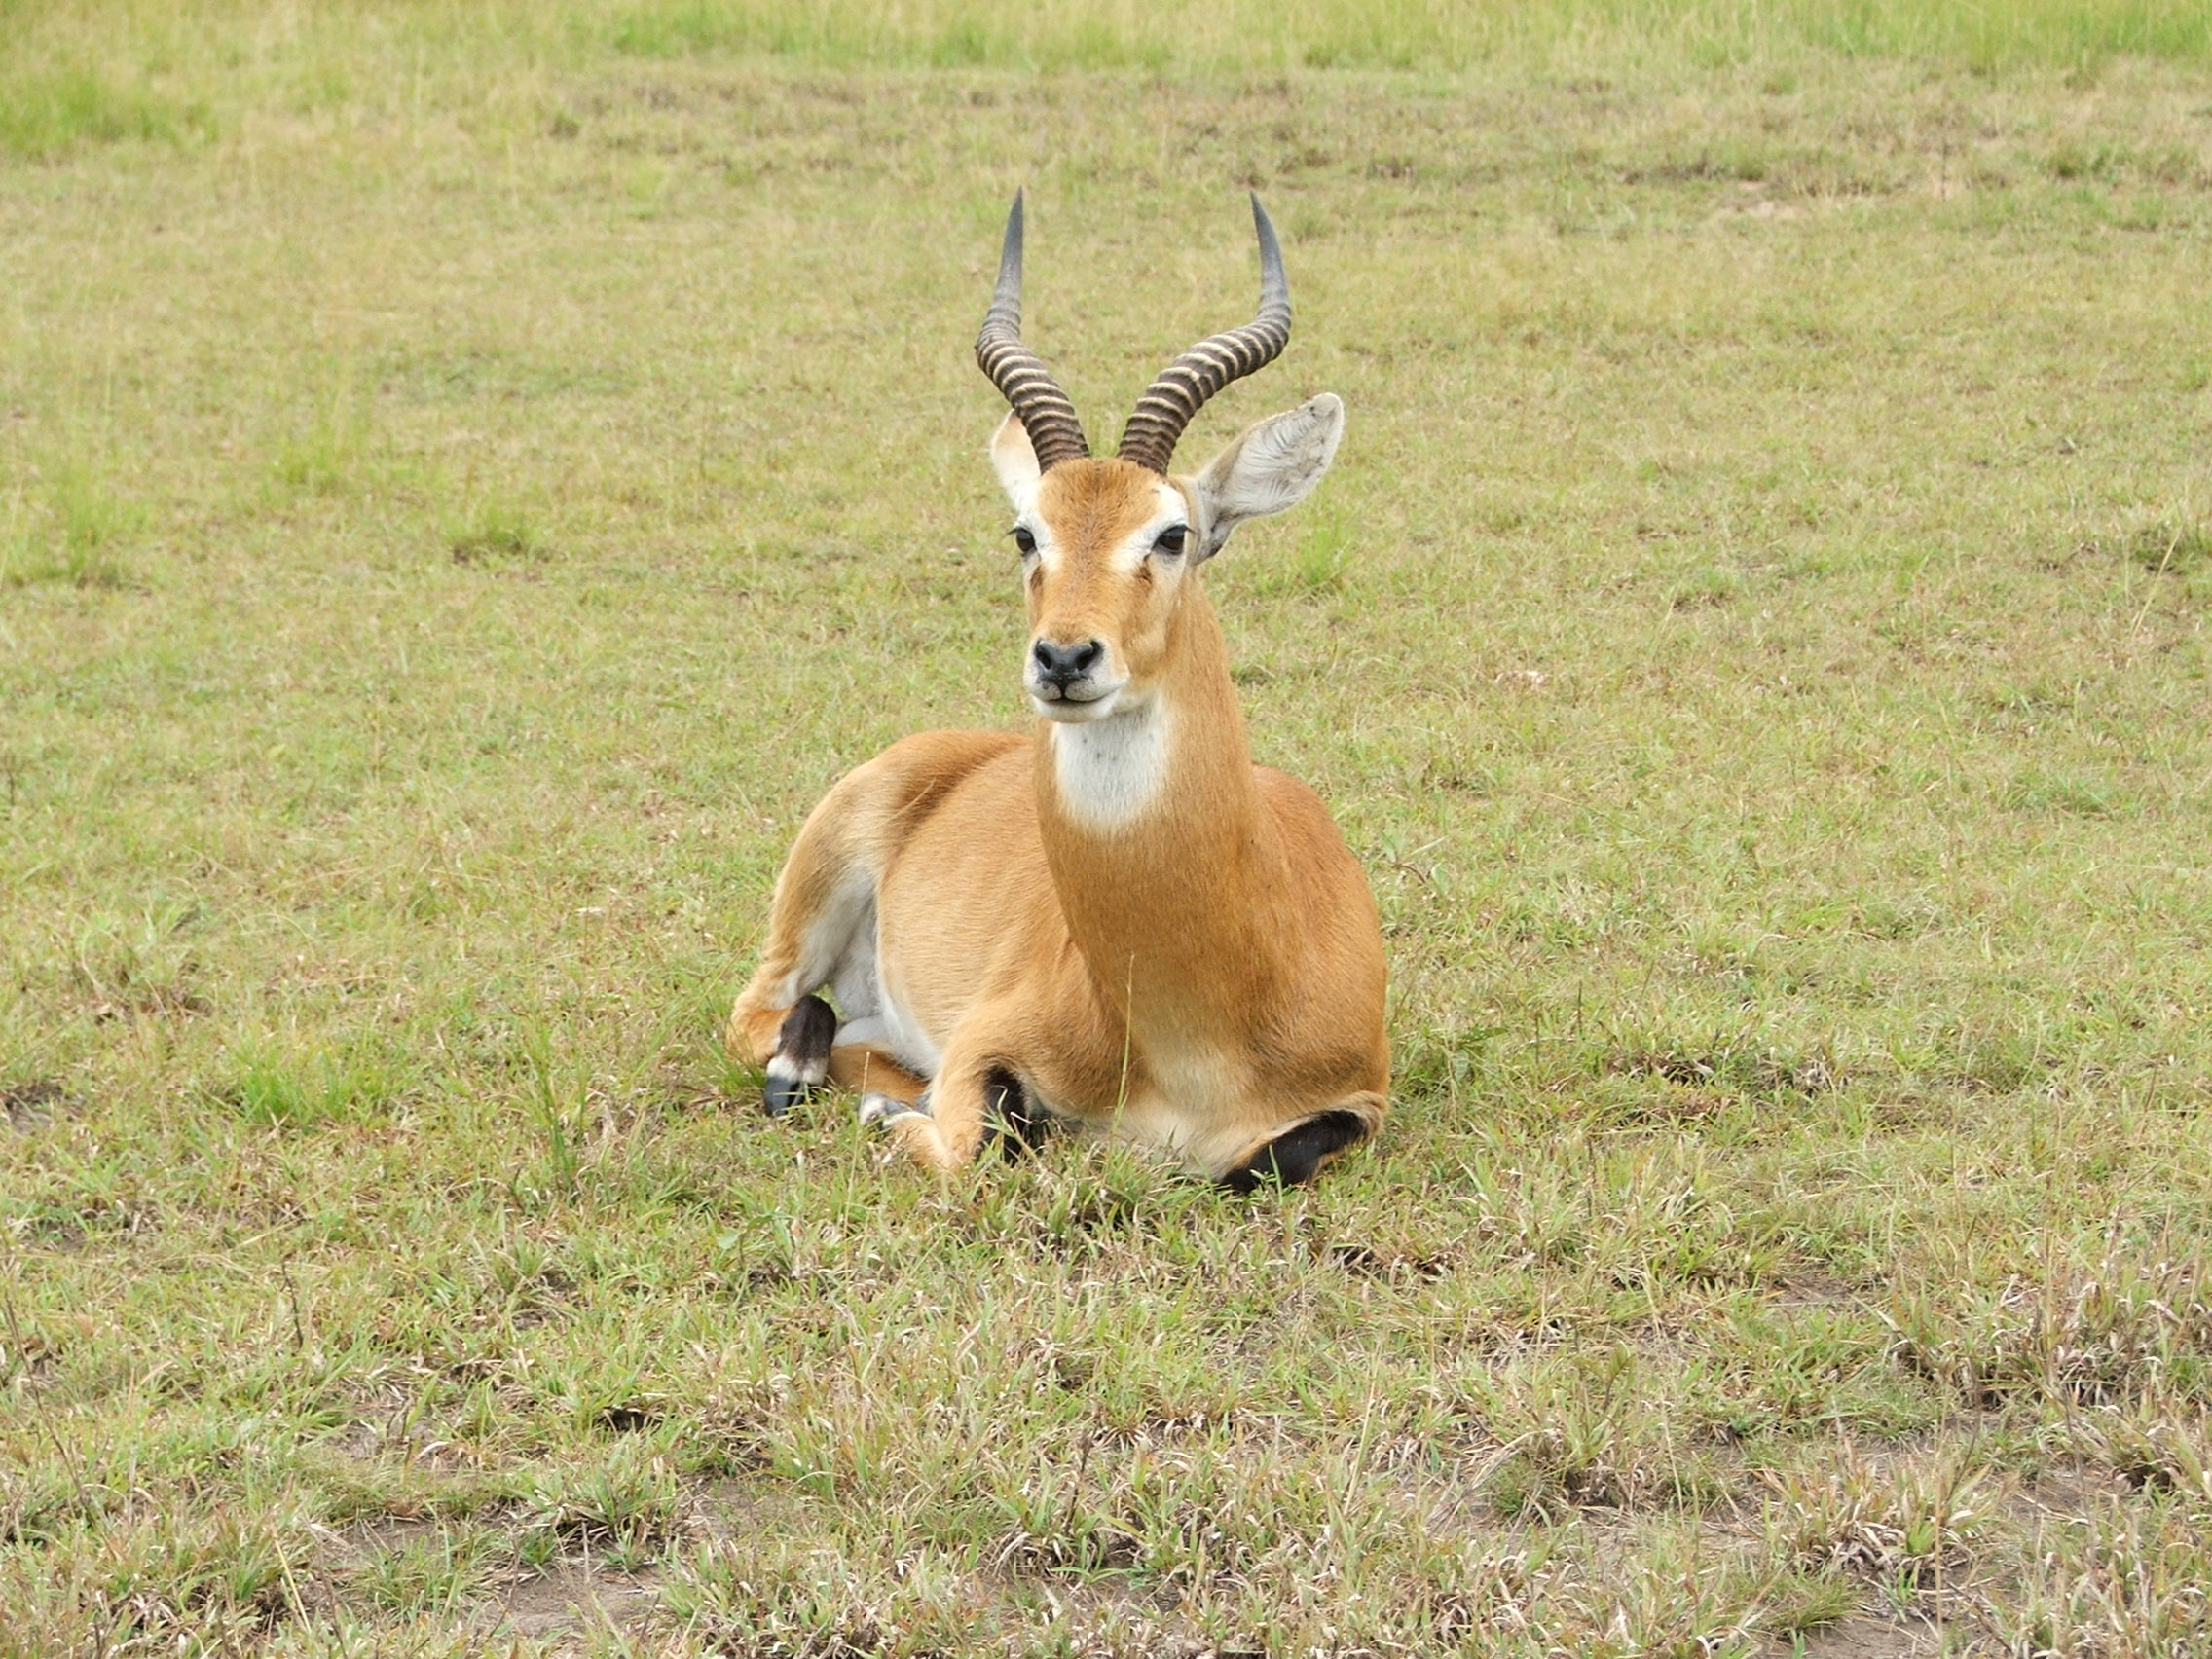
(1119, 920)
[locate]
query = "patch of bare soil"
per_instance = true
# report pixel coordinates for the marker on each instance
(30, 1105)
(1811, 1288)
(2066, 1491)
(575, 1597)
(1872, 1639)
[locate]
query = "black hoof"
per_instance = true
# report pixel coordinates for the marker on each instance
(800, 1063)
(1010, 1118)
(1293, 1157)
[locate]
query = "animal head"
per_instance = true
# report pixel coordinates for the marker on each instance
(1110, 545)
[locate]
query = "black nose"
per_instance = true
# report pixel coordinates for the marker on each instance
(1061, 666)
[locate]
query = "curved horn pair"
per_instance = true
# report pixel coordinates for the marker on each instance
(1169, 402)
(1054, 433)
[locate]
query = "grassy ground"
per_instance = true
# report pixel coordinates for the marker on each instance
(465, 489)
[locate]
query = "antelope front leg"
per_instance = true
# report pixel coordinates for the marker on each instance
(945, 1129)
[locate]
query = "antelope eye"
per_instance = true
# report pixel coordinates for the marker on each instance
(1171, 540)
(1024, 540)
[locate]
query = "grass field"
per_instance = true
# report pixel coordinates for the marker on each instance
(469, 477)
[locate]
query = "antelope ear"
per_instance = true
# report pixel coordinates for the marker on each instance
(1272, 468)
(1015, 462)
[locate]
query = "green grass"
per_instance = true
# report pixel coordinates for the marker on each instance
(469, 478)
(48, 112)
(95, 72)
(76, 536)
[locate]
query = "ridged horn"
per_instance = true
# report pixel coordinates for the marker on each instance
(1046, 415)
(1185, 385)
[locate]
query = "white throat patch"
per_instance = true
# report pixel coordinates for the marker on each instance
(1109, 771)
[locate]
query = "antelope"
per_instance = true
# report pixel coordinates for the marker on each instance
(1116, 919)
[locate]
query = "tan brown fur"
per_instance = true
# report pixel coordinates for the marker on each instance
(1207, 973)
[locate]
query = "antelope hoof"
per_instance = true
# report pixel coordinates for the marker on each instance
(880, 1111)
(781, 1094)
(800, 1063)
(1297, 1155)
(1009, 1119)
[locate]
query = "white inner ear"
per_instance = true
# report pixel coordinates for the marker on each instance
(1015, 462)
(1272, 468)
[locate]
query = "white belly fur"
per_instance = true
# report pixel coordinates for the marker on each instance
(896, 1031)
